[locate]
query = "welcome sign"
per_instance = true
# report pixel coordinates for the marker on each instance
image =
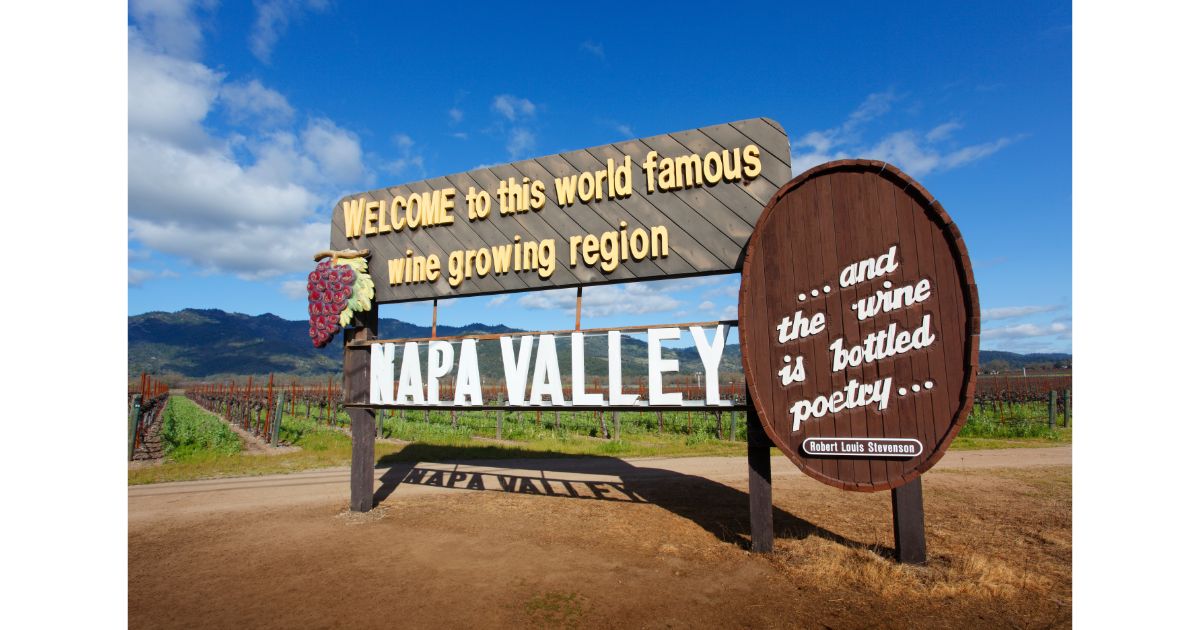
(859, 325)
(672, 205)
(545, 369)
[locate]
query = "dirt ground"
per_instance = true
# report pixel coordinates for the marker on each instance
(601, 542)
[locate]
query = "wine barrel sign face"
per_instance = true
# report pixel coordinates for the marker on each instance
(859, 324)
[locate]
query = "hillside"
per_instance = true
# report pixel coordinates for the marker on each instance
(200, 343)
(206, 343)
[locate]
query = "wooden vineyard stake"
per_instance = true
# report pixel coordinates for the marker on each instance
(1053, 409)
(246, 403)
(500, 418)
(758, 458)
(135, 419)
(908, 522)
(277, 420)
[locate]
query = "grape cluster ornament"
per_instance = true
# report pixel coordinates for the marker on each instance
(337, 288)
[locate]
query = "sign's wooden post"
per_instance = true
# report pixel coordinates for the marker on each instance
(758, 456)
(908, 522)
(356, 370)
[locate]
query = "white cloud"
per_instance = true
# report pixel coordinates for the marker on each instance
(170, 26)
(517, 114)
(592, 47)
(497, 301)
(168, 183)
(336, 151)
(727, 291)
(729, 312)
(706, 305)
(254, 103)
(1009, 312)
(605, 300)
(520, 142)
(138, 277)
(254, 205)
(408, 157)
(294, 289)
(916, 153)
(512, 107)
(456, 115)
(943, 131)
(249, 251)
(272, 21)
(1062, 329)
(169, 97)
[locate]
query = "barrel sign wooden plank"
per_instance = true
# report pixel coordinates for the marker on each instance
(859, 323)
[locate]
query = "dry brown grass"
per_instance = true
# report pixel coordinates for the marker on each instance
(999, 544)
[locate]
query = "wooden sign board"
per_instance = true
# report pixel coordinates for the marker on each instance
(859, 324)
(673, 205)
(552, 370)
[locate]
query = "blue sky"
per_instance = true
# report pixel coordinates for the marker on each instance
(248, 120)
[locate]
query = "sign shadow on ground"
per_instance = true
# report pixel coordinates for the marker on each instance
(716, 507)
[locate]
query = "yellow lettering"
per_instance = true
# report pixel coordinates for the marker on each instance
(666, 177)
(537, 195)
(658, 242)
(564, 188)
(589, 180)
(590, 245)
(649, 165)
(753, 163)
(396, 271)
(372, 217)
(574, 245)
(433, 268)
(483, 262)
(398, 213)
(609, 251)
(689, 171)
(713, 175)
(352, 211)
(546, 261)
(733, 172)
(454, 268)
(502, 257)
(639, 250)
(447, 207)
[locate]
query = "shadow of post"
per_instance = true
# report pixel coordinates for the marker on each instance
(717, 508)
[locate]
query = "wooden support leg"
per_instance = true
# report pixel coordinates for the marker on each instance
(908, 522)
(362, 459)
(356, 367)
(758, 456)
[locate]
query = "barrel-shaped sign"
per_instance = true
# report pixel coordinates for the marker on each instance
(859, 324)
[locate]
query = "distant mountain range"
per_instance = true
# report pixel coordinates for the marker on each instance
(211, 343)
